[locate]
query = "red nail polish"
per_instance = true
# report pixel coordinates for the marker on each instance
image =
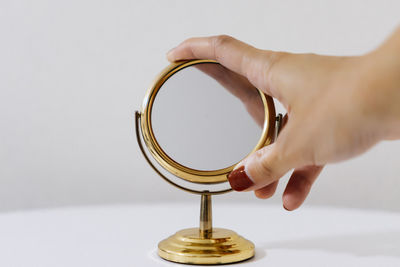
(239, 180)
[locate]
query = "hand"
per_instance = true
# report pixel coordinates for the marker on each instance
(338, 107)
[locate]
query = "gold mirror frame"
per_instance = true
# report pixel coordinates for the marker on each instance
(205, 244)
(179, 170)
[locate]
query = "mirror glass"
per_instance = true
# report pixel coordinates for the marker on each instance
(206, 117)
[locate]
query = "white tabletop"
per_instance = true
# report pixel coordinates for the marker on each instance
(127, 235)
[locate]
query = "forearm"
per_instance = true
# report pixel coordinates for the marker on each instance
(380, 87)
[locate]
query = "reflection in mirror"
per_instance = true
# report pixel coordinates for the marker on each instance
(206, 117)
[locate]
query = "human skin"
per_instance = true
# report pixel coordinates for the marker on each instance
(338, 107)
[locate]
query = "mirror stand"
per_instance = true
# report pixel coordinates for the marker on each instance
(206, 245)
(205, 228)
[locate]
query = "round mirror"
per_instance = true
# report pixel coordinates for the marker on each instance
(201, 119)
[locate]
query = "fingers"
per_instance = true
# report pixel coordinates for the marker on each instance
(260, 169)
(299, 186)
(266, 191)
(233, 54)
(269, 190)
(270, 163)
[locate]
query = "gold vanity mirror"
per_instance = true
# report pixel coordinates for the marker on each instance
(198, 120)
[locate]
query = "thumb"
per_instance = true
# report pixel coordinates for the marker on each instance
(266, 165)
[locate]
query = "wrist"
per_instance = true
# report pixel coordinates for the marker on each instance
(379, 90)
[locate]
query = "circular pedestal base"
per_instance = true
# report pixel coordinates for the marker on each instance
(221, 247)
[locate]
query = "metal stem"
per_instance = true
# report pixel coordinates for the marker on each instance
(205, 216)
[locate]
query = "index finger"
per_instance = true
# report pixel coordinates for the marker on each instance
(235, 55)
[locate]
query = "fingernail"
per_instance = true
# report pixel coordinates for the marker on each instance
(237, 166)
(169, 53)
(239, 180)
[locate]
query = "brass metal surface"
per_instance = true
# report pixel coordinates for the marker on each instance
(205, 244)
(223, 246)
(189, 190)
(177, 169)
(205, 216)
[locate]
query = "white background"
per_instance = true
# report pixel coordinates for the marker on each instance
(72, 73)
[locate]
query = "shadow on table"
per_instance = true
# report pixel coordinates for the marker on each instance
(366, 244)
